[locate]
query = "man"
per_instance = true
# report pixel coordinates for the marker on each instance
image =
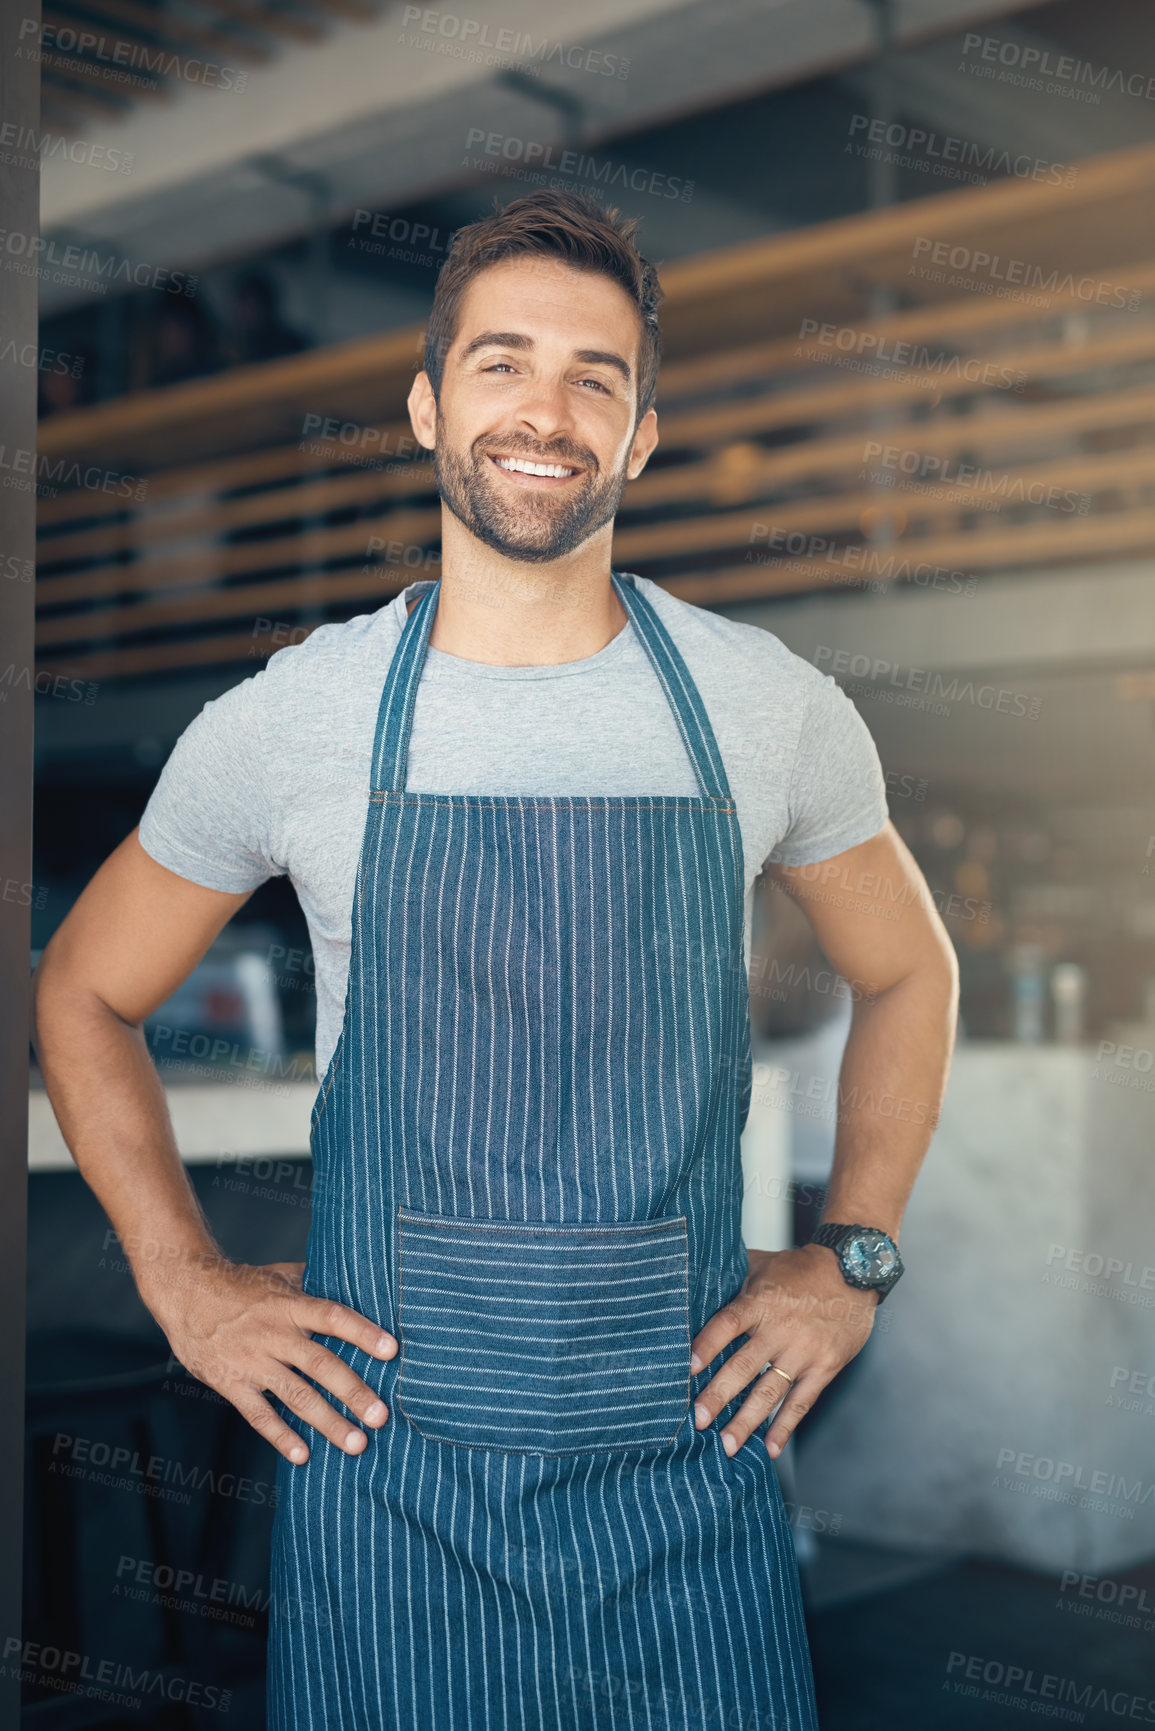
(516, 1387)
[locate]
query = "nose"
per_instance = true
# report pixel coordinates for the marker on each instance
(543, 411)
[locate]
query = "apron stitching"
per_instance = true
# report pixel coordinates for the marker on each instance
(450, 1221)
(579, 802)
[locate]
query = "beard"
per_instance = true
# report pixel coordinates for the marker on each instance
(533, 528)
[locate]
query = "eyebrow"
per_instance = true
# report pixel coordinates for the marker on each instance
(518, 340)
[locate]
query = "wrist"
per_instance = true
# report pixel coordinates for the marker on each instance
(167, 1275)
(867, 1256)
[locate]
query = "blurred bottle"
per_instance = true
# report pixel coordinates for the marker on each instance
(1069, 996)
(1028, 990)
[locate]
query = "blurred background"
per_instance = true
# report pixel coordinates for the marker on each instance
(907, 418)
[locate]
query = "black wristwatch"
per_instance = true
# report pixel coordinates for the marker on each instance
(868, 1257)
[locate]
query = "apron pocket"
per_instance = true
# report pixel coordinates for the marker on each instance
(544, 1339)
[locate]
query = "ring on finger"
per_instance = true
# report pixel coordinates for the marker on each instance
(772, 1369)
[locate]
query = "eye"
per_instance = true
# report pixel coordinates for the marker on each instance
(598, 384)
(492, 368)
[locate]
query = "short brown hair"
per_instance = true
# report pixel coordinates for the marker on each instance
(569, 226)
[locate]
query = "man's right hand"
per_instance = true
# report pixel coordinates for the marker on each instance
(248, 1331)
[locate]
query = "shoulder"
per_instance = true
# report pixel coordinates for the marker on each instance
(729, 648)
(321, 669)
(335, 651)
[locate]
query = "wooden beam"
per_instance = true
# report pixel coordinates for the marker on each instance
(167, 27)
(805, 405)
(944, 319)
(266, 18)
(270, 395)
(236, 559)
(312, 498)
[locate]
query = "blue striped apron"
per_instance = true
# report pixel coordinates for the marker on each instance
(527, 1167)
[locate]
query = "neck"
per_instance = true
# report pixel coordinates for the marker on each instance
(511, 614)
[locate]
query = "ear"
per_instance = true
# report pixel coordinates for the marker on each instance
(645, 438)
(423, 411)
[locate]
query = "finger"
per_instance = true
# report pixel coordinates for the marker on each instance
(793, 1410)
(333, 1373)
(724, 1326)
(326, 1316)
(256, 1410)
(769, 1391)
(308, 1404)
(739, 1370)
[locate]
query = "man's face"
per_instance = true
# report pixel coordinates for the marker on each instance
(542, 373)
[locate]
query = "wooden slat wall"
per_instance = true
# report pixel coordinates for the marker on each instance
(785, 462)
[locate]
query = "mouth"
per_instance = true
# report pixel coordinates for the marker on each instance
(526, 472)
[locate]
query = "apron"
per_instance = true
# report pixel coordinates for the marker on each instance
(527, 1168)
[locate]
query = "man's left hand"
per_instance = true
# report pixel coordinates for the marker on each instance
(800, 1315)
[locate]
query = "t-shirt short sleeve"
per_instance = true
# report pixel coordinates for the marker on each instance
(207, 819)
(837, 788)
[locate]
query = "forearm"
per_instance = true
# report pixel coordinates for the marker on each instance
(890, 1091)
(111, 1108)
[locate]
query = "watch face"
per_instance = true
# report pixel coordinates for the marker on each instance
(870, 1257)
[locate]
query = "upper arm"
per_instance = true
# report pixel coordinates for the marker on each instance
(134, 933)
(202, 847)
(871, 911)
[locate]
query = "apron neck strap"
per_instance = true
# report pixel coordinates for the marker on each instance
(395, 712)
(682, 694)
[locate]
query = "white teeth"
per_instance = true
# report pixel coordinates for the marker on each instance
(518, 466)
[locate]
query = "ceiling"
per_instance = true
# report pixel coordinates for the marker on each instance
(376, 112)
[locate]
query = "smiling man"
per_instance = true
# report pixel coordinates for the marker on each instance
(528, 1387)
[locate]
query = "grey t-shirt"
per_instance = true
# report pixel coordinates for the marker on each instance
(272, 778)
